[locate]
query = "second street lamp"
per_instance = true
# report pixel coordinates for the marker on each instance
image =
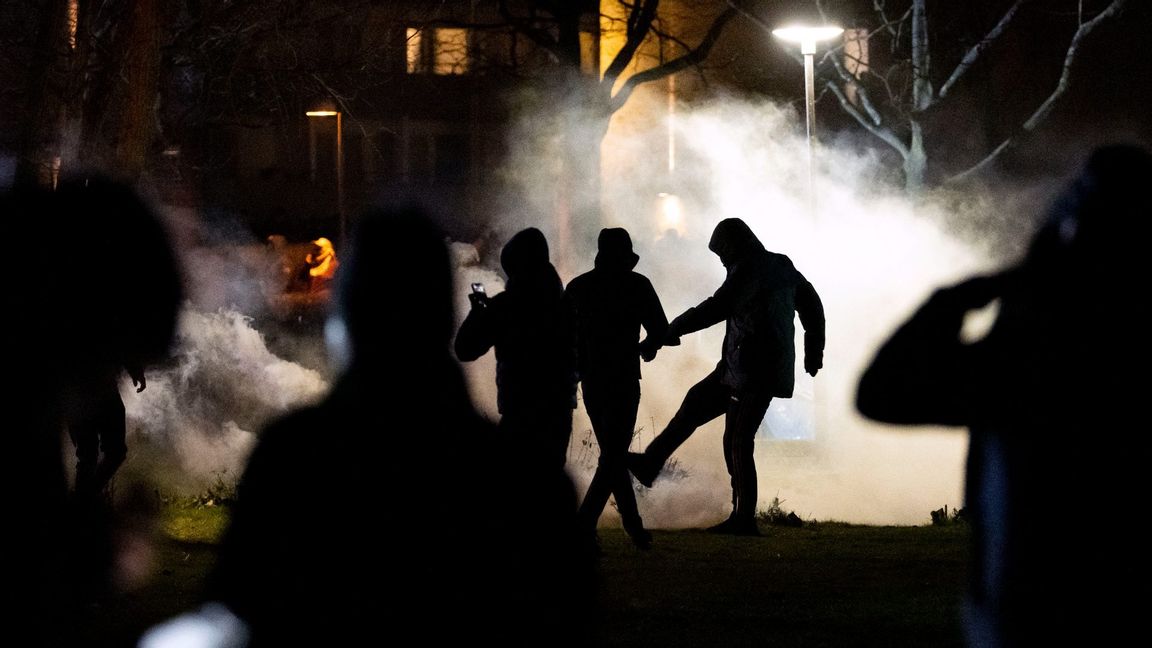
(315, 114)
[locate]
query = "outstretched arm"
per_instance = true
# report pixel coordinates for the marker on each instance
(711, 311)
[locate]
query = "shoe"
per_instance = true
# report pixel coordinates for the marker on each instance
(641, 538)
(723, 527)
(745, 529)
(735, 527)
(643, 468)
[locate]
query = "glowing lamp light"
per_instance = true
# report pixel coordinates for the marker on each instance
(807, 36)
(321, 113)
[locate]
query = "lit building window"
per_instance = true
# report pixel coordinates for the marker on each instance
(450, 54)
(589, 53)
(443, 50)
(73, 22)
(855, 56)
(415, 49)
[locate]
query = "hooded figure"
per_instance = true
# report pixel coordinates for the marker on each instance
(530, 327)
(758, 301)
(378, 468)
(1047, 396)
(611, 304)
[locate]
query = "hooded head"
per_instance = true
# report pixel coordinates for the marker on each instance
(614, 250)
(524, 254)
(394, 291)
(732, 240)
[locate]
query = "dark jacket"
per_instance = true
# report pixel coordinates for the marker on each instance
(348, 515)
(1048, 398)
(530, 327)
(757, 300)
(611, 303)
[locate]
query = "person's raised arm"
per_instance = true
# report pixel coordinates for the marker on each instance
(477, 332)
(924, 374)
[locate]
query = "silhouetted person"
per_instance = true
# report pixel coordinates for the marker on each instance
(1049, 399)
(530, 326)
(96, 422)
(379, 512)
(758, 301)
(64, 330)
(611, 304)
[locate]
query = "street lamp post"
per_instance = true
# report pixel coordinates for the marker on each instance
(340, 211)
(808, 37)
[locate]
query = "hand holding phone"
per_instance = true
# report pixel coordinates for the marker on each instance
(478, 297)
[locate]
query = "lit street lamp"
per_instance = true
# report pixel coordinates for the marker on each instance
(312, 114)
(808, 37)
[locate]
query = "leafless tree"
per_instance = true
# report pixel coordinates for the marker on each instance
(918, 64)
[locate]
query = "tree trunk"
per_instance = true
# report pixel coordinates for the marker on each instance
(41, 130)
(916, 160)
(122, 127)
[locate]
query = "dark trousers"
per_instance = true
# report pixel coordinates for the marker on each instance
(538, 436)
(99, 436)
(743, 414)
(611, 407)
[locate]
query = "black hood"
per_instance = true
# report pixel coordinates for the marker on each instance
(525, 262)
(732, 240)
(525, 253)
(615, 250)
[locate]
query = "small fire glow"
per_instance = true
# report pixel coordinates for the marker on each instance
(322, 264)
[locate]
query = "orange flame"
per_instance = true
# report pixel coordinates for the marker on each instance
(322, 264)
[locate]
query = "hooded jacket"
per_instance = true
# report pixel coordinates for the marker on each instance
(611, 303)
(758, 299)
(530, 327)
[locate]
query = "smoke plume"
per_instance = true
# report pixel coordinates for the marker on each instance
(873, 253)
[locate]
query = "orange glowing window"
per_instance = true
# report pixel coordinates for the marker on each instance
(450, 51)
(414, 49)
(443, 50)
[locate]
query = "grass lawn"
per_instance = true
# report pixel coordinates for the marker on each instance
(825, 584)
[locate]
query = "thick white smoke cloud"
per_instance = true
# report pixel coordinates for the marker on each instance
(198, 418)
(872, 252)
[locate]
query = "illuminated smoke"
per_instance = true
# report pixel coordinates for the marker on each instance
(196, 422)
(873, 254)
(202, 409)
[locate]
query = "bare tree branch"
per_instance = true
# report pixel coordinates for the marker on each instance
(885, 135)
(690, 59)
(527, 27)
(1045, 108)
(976, 50)
(921, 57)
(861, 91)
(639, 22)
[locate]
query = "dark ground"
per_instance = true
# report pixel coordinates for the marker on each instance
(826, 584)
